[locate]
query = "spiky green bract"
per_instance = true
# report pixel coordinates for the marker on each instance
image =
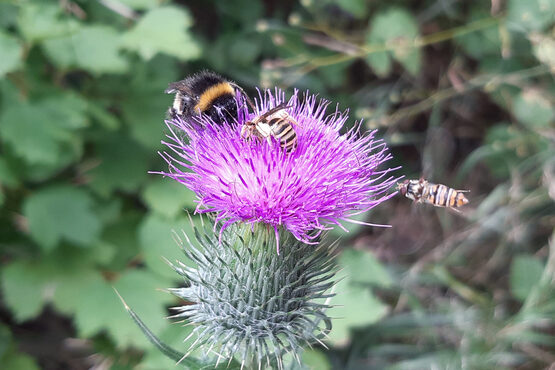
(250, 303)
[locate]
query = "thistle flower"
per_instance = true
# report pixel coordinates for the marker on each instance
(328, 178)
(247, 301)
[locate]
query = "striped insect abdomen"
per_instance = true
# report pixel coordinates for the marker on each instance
(440, 195)
(435, 194)
(283, 130)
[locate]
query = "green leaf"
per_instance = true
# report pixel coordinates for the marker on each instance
(313, 359)
(41, 132)
(395, 26)
(18, 361)
(24, 289)
(8, 176)
(544, 49)
(357, 8)
(59, 278)
(533, 109)
(380, 62)
(141, 4)
(67, 110)
(61, 212)
(144, 106)
(168, 197)
(163, 30)
(11, 53)
(101, 114)
(65, 297)
(157, 242)
(526, 272)
(5, 339)
(93, 48)
(244, 12)
(39, 20)
(507, 146)
(32, 136)
(123, 165)
(354, 306)
(530, 15)
(100, 309)
(173, 335)
(8, 15)
(482, 43)
(362, 267)
(121, 237)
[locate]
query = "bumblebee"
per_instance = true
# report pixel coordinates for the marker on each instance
(205, 93)
(422, 191)
(275, 123)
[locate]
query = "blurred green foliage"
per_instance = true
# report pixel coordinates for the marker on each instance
(462, 91)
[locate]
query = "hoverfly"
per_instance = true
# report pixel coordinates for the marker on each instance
(275, 123)
(438, 195)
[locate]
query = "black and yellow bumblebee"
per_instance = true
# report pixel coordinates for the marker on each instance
(205, 93)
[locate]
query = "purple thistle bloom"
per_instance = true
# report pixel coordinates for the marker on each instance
(326, 179)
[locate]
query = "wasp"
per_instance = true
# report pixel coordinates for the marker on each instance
(439, 195)
(275, 123)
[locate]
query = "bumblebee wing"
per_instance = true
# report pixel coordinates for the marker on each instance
(179, 86)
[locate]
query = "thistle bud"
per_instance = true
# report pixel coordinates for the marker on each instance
(248, 302)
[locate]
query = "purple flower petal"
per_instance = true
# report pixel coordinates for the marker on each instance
(326, 179)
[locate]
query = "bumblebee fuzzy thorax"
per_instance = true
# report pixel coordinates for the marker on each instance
(204, 93)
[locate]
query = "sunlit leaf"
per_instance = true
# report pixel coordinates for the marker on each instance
(163, 30)
(41, 20)
(93, 48)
